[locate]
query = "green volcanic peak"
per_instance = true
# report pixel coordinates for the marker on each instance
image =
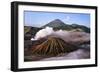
(58, 24)
(53, 46)
(55, 23)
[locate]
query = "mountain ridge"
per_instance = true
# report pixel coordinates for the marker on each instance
(56, 24)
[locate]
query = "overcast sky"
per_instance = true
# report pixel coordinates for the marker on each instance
(38, 19)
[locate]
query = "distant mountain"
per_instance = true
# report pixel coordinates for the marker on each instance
(58, 24)
(55, 23)
(30, 31)
(82, 27)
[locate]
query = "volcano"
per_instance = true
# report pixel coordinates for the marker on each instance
(55, 23)
(58, 24)
(53, 46)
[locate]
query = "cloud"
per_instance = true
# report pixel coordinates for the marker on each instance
(44, 32)
(68, 36)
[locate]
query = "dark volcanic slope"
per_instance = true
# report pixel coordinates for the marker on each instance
(53, 46)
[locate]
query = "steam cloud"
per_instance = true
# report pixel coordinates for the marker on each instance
(48, 31)
(44, 32)
(63, 34)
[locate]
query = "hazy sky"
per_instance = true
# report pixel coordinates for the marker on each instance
(38, 19)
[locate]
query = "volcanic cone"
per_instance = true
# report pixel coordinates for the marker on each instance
(53, 46)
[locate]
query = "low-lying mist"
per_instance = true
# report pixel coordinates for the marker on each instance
(68, 36)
